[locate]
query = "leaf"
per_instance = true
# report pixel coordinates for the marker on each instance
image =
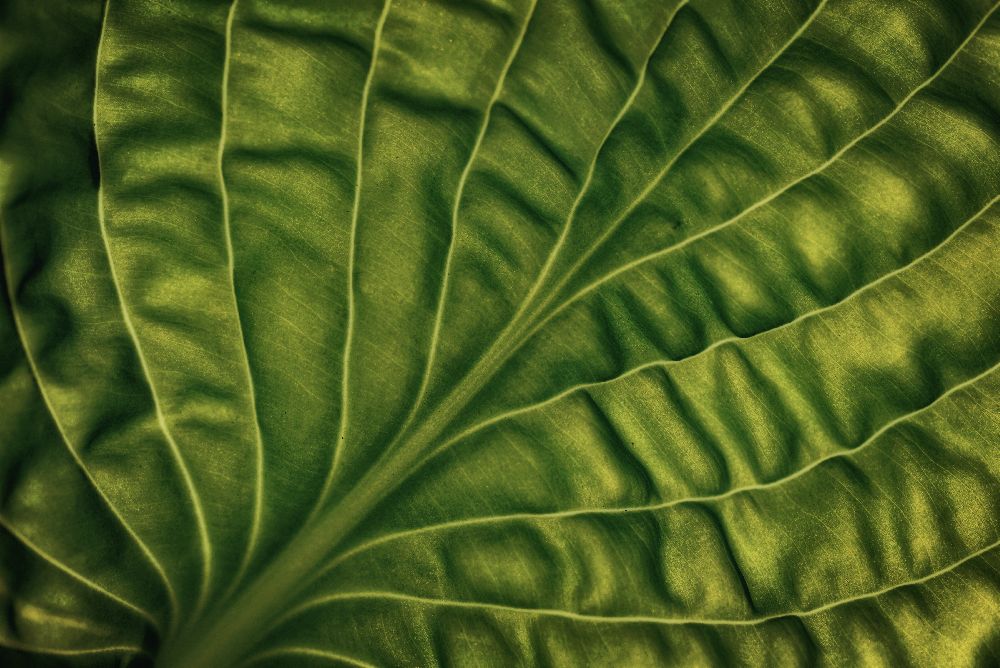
(500, 333)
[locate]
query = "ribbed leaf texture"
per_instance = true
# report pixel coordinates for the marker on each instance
(500, 332)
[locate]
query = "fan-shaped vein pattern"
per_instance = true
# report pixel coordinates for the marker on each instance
(943, 605)
(713, 44)
(290, 163)
(726, 281)
(523, 117)
(983, 143)
(846, 83)
(738, 415)
(436, 72)
(533, 165)
(70, 325)
(641, 333)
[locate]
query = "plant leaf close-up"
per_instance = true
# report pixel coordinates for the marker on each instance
(499, 332)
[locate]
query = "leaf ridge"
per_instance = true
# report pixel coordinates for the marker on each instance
(231, 259)
(62, 567)
(848, 451)
(199, 513)
(339, 444)
(753, 207)
(642, 619)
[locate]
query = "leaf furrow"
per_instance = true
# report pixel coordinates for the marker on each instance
(199, 513)
(643, 619)
(659, 253)
(77, 459)
(848, 451)
(339, 444)
(57, 564)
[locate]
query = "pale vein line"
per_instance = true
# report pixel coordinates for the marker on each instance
(731, 340)
(524, 303)
(585, 188)
(36, 373)
(205, 544)
(310, 652)
(690, 500)
(753, 207)
(59, 565)
(338, 445)
(18, 325)
(639, 619)
(711, 123)
(463, 179)
(496, 354)
(231, 259)
(35, 649)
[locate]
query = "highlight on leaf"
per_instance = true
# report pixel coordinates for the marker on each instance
(499, 332)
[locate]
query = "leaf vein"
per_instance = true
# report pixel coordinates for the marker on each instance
(732, 340)
(753, 207)
(258, 503)
(702, 499)
(60, 566)
(640, 619)
(338, 446)
(199, 514)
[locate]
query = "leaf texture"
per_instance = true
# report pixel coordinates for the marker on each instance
(500, 332)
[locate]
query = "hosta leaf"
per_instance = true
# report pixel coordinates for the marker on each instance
(505, 332)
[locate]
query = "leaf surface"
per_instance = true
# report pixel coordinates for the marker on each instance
(533, 332)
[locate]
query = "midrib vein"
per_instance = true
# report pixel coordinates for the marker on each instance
(389, 471)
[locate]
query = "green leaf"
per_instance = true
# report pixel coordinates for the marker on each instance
(500, 332)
